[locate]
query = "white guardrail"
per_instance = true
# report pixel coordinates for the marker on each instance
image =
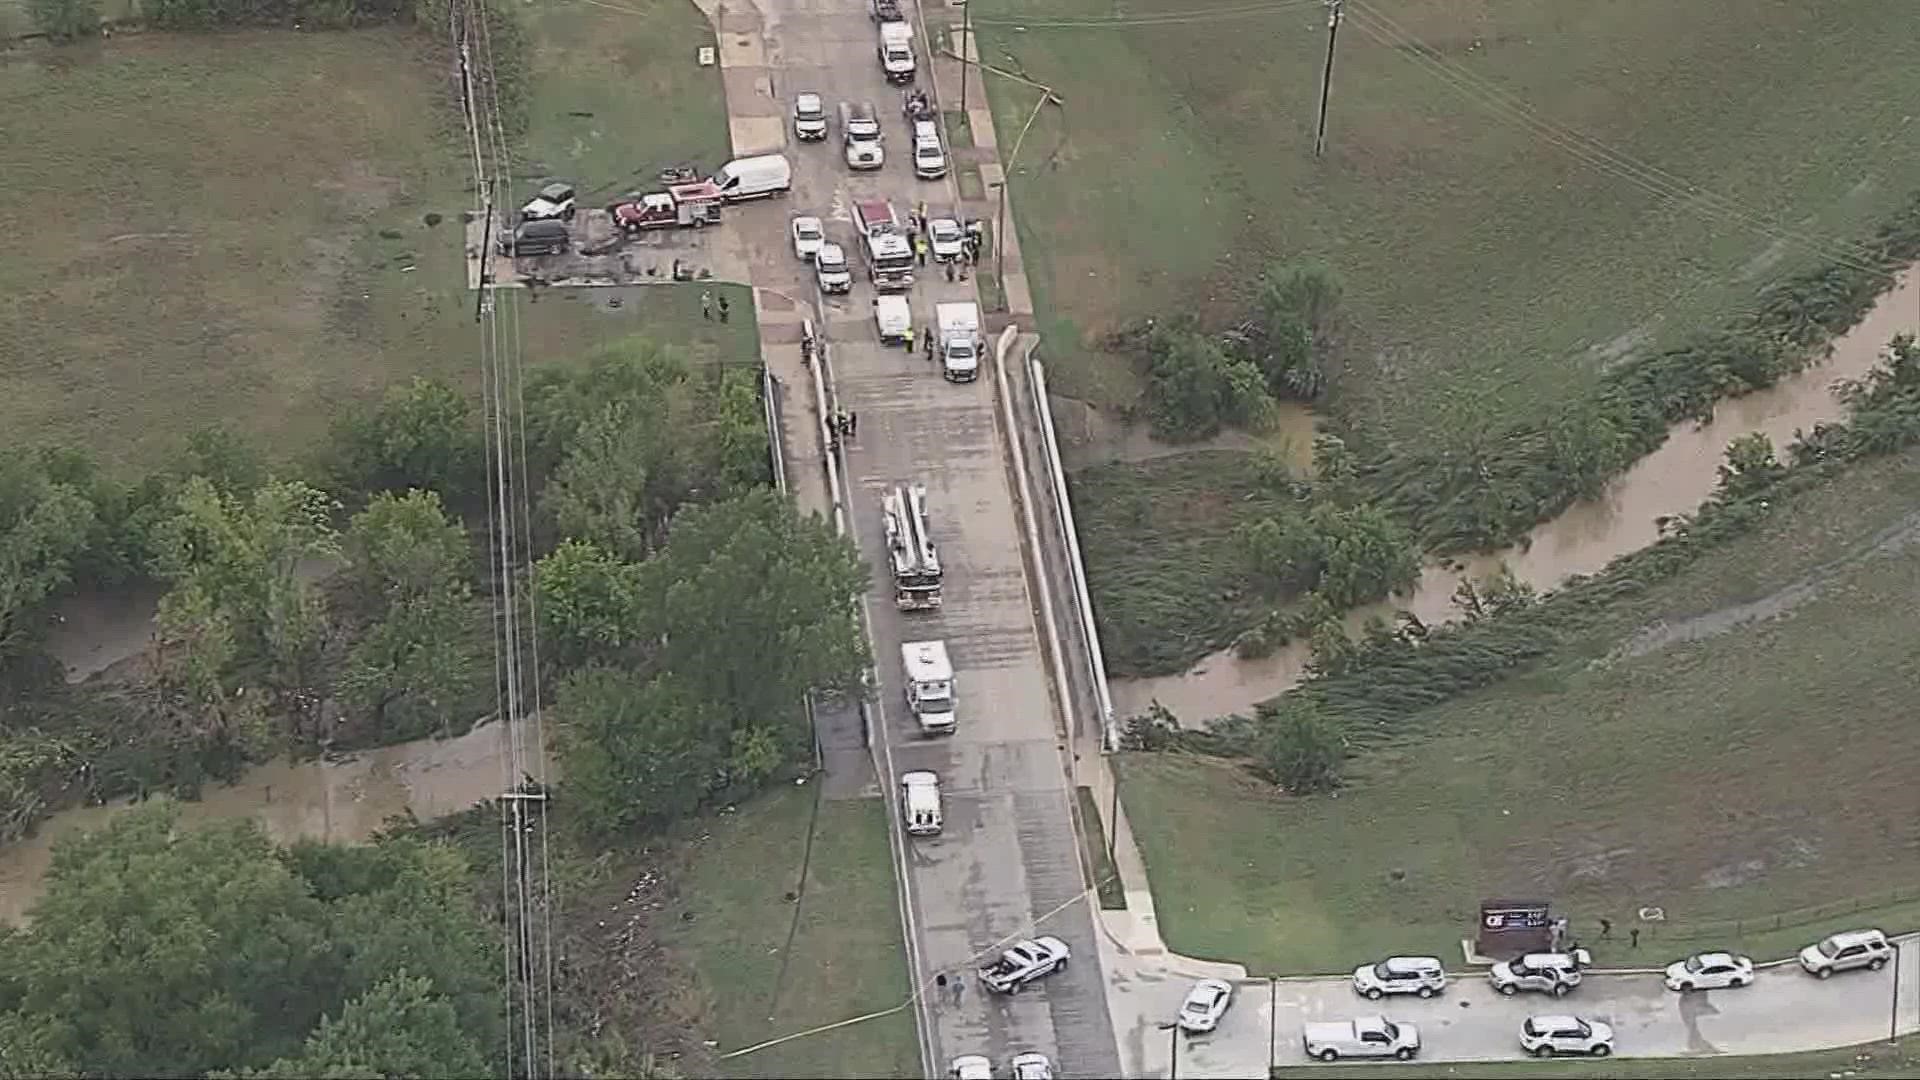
(1076, 565)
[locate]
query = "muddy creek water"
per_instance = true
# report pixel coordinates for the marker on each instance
(342, 800)
(1675, 479)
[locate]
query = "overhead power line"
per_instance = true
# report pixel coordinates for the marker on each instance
(1510, 107)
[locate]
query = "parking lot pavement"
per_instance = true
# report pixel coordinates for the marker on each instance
(1784, 1011)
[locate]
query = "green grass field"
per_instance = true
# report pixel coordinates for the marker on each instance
(1749, 774)
(843, 961)
(1479, 256)
(1874, 1059)
(197, 220)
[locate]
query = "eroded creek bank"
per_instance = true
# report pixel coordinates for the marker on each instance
(1675, 479)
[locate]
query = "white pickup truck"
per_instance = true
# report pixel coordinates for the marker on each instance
(1365, 1037)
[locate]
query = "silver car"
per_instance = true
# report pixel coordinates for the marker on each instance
(1418, 975)
(1847, 951)
(1547, 973)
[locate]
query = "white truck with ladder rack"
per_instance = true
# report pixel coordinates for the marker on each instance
(889, 256)
(914, 559)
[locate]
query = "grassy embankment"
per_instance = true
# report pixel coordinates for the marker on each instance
(198, 220)
(1727, 746)
(1490, 275)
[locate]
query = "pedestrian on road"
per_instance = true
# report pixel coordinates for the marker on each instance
(950, 263)
(853, 424)
(706, 306)
(723, 309)
(926, 341)
(1633, 938)
(940, 981)
(1606, 929)
(959, 987)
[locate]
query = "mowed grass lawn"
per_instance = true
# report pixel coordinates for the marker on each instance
(1479, 256)
(844, 960)
(1762, 771)
(197, 221)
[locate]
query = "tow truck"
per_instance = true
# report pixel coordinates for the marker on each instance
(694, 205)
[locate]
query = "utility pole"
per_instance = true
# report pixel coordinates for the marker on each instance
(966, 51)
(1326, 76)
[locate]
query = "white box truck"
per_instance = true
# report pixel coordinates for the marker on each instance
(896, 51)
(929, 685)
(893, 319)
(960, 344)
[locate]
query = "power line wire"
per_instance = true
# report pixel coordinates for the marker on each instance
(1166, 18)
(1505, 105)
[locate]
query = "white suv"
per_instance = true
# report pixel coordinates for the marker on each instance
(1847, 951)
(1421, 975)
(1545, 1036)
(1549, 973)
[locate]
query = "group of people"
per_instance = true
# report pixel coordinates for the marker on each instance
(971, 243)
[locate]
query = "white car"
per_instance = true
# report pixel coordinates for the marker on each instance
(808, 235)
(970, 1067)
(947, 239)
(1032, 1067)
(1206, 1003)
(1547, 973)
(1545, 1036)
(1422, 976)
(1709, 971)
(809, 117)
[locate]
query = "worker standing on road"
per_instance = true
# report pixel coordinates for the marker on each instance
(920, 249)
(706, 306)
(723, 309)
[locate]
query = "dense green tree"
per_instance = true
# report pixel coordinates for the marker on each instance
(422, 434)
(589, 604)
(1365, 555)
(44, 529)
(1300, 746)
(1749, 468)
(404, 545)
(618, 480)
(638, 750)
(1349, 555)
(251, 558)
(418, 668)
(398, 1030)
(159, 952)
(753, 605)
(1195, 387)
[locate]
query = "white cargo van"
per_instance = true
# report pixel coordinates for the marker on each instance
(929, 685)
(754, 177)
(893, 318)
(920, 803)
(960, 344)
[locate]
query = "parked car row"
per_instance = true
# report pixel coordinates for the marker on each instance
(1555, 974)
